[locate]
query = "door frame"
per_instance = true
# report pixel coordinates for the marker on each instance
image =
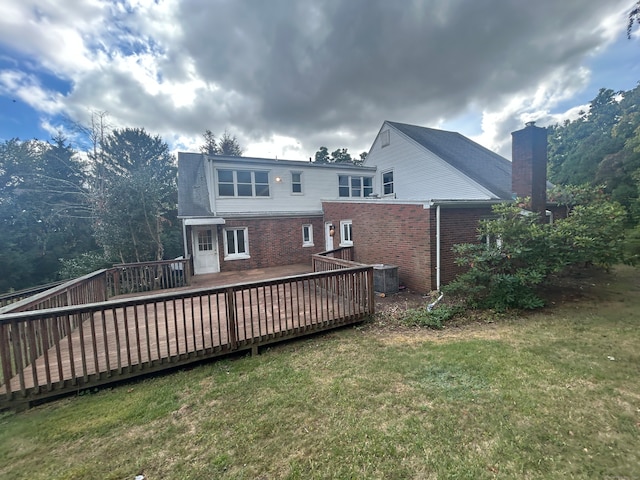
(215, 267)
(328, 239)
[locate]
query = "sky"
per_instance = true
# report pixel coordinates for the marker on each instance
(289, 76)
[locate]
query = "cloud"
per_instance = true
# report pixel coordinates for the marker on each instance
(294, 75)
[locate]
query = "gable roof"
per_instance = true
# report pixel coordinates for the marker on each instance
(483, 166)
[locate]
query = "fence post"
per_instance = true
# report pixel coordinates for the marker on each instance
(231, 317)
(372, 301)
(5, 358)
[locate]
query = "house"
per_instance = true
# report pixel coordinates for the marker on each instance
(241, 213)
(420, 192)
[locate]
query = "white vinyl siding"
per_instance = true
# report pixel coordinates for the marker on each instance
(419, 174)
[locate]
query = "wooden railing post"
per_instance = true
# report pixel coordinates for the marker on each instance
(5, 358)
(230, 300)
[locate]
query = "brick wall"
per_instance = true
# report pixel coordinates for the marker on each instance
(457, 225)
(273, 242)
(390, 234)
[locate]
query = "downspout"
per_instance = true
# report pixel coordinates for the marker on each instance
(438, 265)
(438, 248)
(184, 240)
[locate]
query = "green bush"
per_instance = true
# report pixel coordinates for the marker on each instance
(83, 264)
(516, 252)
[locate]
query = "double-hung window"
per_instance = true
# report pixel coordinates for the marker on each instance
(296, 183)
(243, 183)
(346, 233)
(387, 183)
(236, 243)
(307, 235)
(354, 186)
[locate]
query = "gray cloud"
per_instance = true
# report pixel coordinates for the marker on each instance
(328, 73)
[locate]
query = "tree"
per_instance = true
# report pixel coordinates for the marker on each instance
(634, 17)
(43, 210)
(340, 155)
(602, 146)
(138, 195)
(322, 155)
(227, 145)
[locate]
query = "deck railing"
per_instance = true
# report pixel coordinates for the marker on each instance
(334, 260)
(141, 277)
(12, 297)
(103, 284)
(49, 352)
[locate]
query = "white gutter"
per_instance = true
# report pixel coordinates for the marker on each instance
(434, 303)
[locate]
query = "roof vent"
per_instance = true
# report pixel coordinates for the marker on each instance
(530, 124)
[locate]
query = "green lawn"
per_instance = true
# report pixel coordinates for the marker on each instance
(555, 394)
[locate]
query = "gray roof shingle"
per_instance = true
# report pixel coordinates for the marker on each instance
(485, 167)
(193, 195)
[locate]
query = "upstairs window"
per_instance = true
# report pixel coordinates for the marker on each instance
(387, 183)
(354, 186)
(243, 183)
(296, 182)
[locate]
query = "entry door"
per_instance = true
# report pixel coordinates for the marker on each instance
(205, 250)
(328, 239)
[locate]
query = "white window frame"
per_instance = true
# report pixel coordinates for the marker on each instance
(307, 235)
(393, 191)
(296, 183)
(346, 233)
(235, 255)
(235, 183)
(351, 187)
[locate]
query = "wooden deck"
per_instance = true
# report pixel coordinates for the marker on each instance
(71, 348)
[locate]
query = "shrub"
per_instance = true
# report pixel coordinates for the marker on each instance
(517, 253)
(436, 318)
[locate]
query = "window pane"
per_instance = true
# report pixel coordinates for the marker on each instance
(296, 177)
(244, 176)
(343, 180)
(356, 186)
(225, 190)
(262, 177)
(245, 190)
(262, 190)
(306, 238)
(231, 242)
(343, 191)
(296, 188)
(225, 176)
(241, 241)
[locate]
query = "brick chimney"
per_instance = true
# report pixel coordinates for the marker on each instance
(529, 165)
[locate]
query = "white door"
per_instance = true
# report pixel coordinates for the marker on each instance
(328, 239)
(205, 250)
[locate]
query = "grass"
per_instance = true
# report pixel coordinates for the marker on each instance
(550, 395)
